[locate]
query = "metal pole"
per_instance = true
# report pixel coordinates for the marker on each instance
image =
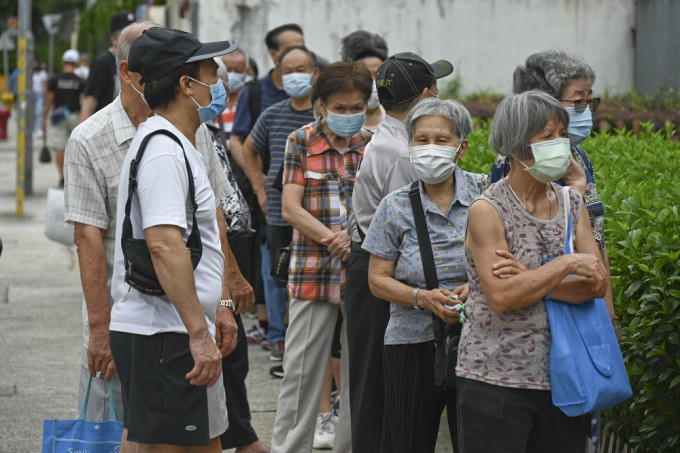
(26, 106)
(5, 65)
(50, 69)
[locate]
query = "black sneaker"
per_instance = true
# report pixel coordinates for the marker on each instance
(276, 371)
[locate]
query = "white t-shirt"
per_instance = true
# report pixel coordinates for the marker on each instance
(162, 198)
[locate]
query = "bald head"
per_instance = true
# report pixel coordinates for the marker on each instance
(128, 36)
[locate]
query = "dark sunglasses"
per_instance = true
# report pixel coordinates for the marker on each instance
(580, 104)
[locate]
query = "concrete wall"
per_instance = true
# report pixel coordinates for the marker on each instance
(484, 39)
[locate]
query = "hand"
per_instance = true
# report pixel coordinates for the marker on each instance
(262, 198)
(340, 245)
(207, 360)
(590, 267)
(575, 177)
(226, 330)
(434, 300)
(99, 356)
(241, 293)
(508, 266)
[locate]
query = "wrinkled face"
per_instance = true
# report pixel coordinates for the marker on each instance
(344, 102)
(235, 62)
(578, 91)
(552, 130)
(296, 61)
(434, 130)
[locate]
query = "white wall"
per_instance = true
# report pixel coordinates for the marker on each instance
(484, 39)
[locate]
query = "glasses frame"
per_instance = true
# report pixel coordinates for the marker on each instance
(580, 104)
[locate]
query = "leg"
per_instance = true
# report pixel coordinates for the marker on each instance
(277, 237)
(343, 431)
(308, 341)
(366, 319)
(553, 430)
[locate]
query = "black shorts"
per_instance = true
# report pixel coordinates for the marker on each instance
(159, 404)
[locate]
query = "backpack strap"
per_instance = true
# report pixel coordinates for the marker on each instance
(254, 100)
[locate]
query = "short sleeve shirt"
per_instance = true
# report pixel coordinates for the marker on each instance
(269, 95)
(67, 88)
(392, 236)
(269, 136)
(328, 179)
(103, 83)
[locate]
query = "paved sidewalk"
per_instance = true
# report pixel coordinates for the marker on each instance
(41, 324)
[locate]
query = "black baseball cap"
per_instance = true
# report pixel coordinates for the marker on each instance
(121, 20)
(161, 50)
(403, 76)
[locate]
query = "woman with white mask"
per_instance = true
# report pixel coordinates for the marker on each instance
(504, 398)
(437, 132)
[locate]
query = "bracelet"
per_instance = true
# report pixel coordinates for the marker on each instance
(415, 299)
(615, 322)
(228, 303)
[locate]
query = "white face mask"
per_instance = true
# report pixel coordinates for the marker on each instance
(373, 101)
(551, 160)
(433, 163)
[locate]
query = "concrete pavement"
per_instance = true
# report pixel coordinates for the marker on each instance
(41, 324)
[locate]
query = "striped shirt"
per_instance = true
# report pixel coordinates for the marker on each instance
(328, 178)
(92, 163)
(269, 136)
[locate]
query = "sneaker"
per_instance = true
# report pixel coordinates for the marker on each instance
(251, 314)
(277, 351)
(255, 335)
(324, 434)
(276, 371)
(266, 345)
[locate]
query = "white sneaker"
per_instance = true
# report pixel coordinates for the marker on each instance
(324, 434)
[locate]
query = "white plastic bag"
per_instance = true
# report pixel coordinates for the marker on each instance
(56, 227)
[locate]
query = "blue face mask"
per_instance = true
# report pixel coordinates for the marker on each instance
(216, 106)
(345, 125)
(236, 81)
(297, 84)
(580, 124)
(249, 78)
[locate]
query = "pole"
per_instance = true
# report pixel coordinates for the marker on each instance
(50, 69)
(26, 105)
(5, 65)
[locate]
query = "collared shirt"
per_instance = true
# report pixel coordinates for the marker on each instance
(92, 163)
(385, 167)
(392, 236)
(328, 178)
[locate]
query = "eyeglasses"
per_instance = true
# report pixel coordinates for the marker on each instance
(580, 104)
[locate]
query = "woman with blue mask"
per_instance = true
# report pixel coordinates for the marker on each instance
(320, 166)
(569, 79)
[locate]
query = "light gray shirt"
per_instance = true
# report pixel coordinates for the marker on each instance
(384, 168)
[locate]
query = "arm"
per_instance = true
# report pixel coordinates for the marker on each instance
(49, 99)
(226, 329)
(236, 148)
(173, 267)
(87, 107)
(93, 278)
(383, 285)
(252, 166)
(300, 219)
(575, 177)
(235, 283)
(485, 235)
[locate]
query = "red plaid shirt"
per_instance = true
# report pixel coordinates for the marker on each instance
(328, 177)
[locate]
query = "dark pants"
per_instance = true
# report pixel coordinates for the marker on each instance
(235, 366)
(511, 420)
(366, 318)
(413, 403)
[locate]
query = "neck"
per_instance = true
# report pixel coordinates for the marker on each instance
(276, 78)
(184, 119)
(400, 116)
(304, 103)
(527, 188)
(373, 117)
(442, 193)
(134, 106)
(337, 142)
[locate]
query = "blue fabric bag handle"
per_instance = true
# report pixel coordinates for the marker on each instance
(65, 436)
(587, 373)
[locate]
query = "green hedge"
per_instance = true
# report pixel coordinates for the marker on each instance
(637, 179)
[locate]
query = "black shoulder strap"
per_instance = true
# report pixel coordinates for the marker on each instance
(423, 237)
(254, 101)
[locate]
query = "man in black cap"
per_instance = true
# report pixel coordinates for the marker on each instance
(103, 84)
(163, 345)
(402, 80)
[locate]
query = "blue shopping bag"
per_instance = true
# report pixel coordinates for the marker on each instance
(587, 373)
(84, 436)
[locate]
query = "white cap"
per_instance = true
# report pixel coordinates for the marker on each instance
(71, 56)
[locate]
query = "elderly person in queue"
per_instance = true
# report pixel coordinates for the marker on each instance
(320, 167)
(437, 132)
(504, 398)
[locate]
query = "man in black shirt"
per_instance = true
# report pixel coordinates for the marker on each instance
(63, 93)
(102, 84)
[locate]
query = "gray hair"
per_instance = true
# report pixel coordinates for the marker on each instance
(550, 71)
(518, 117)
(452, 110)
(128, 36)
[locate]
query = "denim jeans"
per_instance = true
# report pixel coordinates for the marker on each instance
(275, 299)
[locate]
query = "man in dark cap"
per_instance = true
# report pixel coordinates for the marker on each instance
(164, 345)
(402, 80)
(103, 84)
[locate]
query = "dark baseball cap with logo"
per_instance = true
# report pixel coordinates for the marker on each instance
(121, 20)
(403, 76)
(161, 50)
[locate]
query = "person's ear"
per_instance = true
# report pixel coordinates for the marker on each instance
(185, 85)
(123, 72)
(315, 73)
(462, 150)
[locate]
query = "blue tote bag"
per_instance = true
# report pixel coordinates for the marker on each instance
(587, 373)
(80, 435)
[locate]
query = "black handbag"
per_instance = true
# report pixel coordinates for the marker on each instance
(446, 336)
(280, 266)
(139, 270)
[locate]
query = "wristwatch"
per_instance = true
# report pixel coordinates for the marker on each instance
(228, 303)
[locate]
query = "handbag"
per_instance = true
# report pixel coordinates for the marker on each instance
(45, 157)
(65, 436)
(56, 227)
(139, 270)
(280, 266)
(587, 373)
(59, 114)
(446, 336)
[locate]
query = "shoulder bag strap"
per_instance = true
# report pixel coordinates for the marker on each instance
(569, 241)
